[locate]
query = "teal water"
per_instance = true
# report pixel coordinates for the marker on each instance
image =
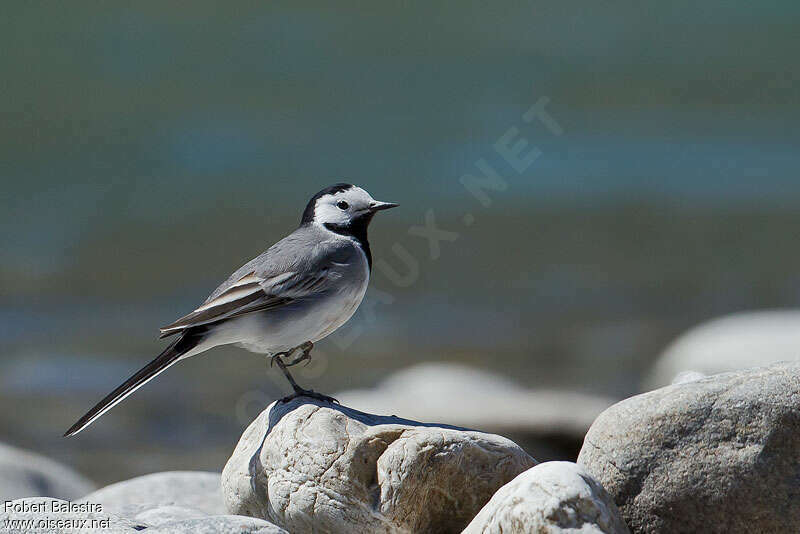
(146, 151)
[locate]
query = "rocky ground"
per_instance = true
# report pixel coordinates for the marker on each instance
(717, 454)
(705, 454)
(349, 471)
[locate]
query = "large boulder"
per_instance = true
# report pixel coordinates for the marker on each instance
(551, 498)
(312, 466)
(719, 454)
(46, 515)
(26, 474)
(549, 422)
(168, 514)
(195, 490)
(730, 343)
(218, 524)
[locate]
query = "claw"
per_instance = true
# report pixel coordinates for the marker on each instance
(278, 355)
(303, 357)
(309, 393)
(275, 357)
(306, 356)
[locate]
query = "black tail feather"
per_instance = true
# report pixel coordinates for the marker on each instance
(186, 342)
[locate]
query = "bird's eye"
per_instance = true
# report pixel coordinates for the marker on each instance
(342, 205)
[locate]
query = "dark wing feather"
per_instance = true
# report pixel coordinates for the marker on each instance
(289, 270)
(249, 297)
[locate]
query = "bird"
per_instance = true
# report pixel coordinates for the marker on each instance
(280, 303)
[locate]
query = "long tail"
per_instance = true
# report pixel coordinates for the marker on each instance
(186, 342)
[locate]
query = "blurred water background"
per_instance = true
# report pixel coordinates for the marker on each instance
(147, 150)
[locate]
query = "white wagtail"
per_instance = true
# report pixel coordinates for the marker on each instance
(301, 289)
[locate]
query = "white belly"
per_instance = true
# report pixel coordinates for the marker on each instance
(308, 321)
(291, 325)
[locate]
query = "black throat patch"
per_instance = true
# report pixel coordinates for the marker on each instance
(357, 229)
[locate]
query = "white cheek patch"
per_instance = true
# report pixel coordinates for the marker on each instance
(326, 210)
(328, 213)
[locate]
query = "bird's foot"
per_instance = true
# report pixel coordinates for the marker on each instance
(278, 357)
(304, 357)
(300, 392)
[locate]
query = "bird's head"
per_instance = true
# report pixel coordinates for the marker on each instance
(341, 206)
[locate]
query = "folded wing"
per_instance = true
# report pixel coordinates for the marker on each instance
(251, 293)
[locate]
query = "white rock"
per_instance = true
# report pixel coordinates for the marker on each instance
(168, 514)
(46, 515)
(474, 398)
(218, 524)
(26, 474)
(310, 466)
(552, 498)
(199, 490)
(685, 377)
(731, 343)
(713, 455)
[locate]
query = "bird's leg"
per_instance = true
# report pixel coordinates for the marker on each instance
(278, 355)
(276, 358)
(306, 356)
(298, 391)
